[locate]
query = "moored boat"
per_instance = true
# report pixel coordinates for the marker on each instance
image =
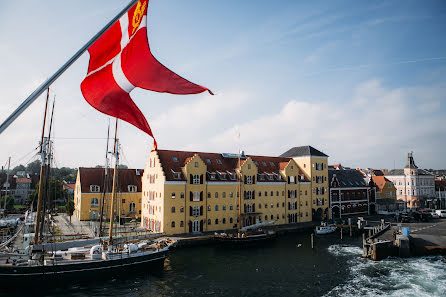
(325, 229)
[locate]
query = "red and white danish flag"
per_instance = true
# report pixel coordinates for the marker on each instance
(120, 60)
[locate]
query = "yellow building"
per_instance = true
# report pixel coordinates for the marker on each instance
(197, 192)
(314, 164)
(89, 190)
(385, 194)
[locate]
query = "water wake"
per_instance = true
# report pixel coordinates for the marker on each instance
(424, 276)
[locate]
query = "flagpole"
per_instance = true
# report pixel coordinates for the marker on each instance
(34, 95)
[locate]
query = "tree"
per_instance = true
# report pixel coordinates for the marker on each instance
(55, 192)
(9, 202)
(17, 169)
(69, 208)
(33, 167)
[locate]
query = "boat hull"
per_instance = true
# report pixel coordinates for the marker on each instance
(81, 271)
(250, 239)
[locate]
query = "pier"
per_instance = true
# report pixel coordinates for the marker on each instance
(405, 240)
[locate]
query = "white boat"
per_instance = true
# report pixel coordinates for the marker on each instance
(325, 229)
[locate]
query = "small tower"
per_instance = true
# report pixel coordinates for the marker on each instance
(411, 168)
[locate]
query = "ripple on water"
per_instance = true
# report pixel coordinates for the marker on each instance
(424, 276)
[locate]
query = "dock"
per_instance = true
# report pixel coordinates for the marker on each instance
(405, 240)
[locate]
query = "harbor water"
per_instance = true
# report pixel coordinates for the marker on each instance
(285, 267)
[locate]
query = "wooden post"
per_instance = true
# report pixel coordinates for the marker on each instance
(350, 230)
(312, 240)
(341, 233)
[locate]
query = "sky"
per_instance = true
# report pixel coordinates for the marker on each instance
(362, 81)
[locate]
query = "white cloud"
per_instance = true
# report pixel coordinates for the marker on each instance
(372, 128)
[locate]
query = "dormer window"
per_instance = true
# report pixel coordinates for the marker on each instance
(270, 177)
(263, 163)
(176, 175)
(218, 161)
(257, 163)
(95, 188)
(175, 159)
(208, 161)
(271, 163)
(261, 176)
(213, 177)
(132, 188)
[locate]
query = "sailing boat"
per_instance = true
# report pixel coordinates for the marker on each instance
(248, 234)
(44, 262)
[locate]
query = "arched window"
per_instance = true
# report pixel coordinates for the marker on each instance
(216, 221)
(224, 220)
(132, 206)
(196, 179)
(209, 221)
(231, 220)
(173, 224)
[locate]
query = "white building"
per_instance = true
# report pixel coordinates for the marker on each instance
(414, 186)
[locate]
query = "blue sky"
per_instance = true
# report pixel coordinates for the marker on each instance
(363, 81)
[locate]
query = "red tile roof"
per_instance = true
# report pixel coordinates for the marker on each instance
(216, 162)
(95, 176)
(23, 180)
(380, 181)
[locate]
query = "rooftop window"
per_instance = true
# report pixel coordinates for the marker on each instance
(218, 161)
(175, 159)
(208, 161)
(257, 163)
(271, 163)
(263, 163)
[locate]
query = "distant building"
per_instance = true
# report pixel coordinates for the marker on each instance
(89, 189)
(315, 165)
(413, 186)
(440, 191)
(350, 193)
(23, 189)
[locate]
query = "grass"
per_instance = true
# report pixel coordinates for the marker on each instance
(17, 207)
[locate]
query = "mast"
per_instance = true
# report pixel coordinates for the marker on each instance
(7, 182)
(239, 194)
(42, 153)
(105, 181)
(115, 175)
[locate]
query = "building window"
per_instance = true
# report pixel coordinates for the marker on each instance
(277, 193)
(132, 207)
(216, 207)
(208, 161)
(216, 194)
(196, 164)
(95, 188)
(173, 209)
(132, 188)
(266, 193)
(173, 224)
(181, 224)
(231, 195)
(195, 211)
(94, 202)
(182, 209)
(224, 220)
(223, 194)
(231, 220)
(224, 207)
(230, 207)
(209, 221)
(218, 161)
(182, 195)
(209, 194)
(123, 201)
(196, 179)
(216, 221)
(173, 195)
(249, 166)
(196, 196)
(209, 208)
(249, 179)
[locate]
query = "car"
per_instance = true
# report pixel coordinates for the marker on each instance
(441, 213)
(432, 212)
